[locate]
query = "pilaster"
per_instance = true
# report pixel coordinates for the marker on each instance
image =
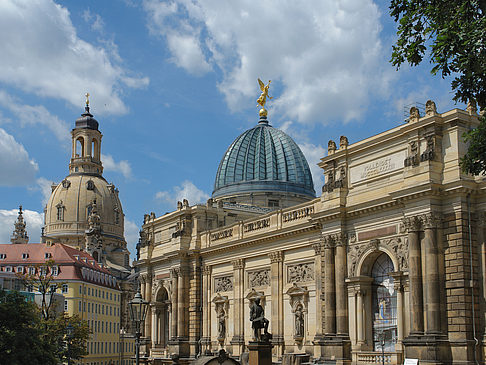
(276, 272)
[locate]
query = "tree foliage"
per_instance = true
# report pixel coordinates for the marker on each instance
(21, 332)
(62, 345)
(27, 338)
(455, 33)
(44, 282)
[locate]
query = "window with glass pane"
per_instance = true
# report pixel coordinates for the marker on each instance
(384, 305)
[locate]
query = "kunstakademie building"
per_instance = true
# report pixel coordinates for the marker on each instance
(389, 256)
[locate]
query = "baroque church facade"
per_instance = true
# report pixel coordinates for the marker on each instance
(388, 262)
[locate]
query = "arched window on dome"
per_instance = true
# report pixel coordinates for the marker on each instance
(79, 152)
(60, 211)
(384, 302)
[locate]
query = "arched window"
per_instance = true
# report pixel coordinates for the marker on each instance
(384, 305)
(94, 148)
(80, 147)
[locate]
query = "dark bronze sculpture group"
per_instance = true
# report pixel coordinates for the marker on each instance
(258, 321)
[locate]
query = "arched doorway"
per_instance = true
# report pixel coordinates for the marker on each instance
(160, 327)
(384, 305)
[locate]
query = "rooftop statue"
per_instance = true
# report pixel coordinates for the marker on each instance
(263, 97)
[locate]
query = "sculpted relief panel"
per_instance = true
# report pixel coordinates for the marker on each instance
(259, 278)
(224, 283)
(300, 273)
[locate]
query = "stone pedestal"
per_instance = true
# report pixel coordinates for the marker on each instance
(260, 353)
(336, 350)
(430, 349)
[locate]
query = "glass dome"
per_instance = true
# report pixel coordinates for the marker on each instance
(263, 159)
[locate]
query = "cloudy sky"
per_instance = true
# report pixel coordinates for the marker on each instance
(174, 82)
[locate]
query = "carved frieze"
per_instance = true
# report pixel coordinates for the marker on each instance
(223, 283)
(226, 233)
(399, 245)
(297, 214)
(259, 278)
(354, 253)
(300, 273)
(253, 226)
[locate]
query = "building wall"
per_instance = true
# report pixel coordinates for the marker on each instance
(385, 251)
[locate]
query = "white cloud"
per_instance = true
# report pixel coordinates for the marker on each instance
(15, 164)
(42, 54)
(33, 220)
(31, 115)
(123, 166)
(313, 153)
(94, 20)
(187, 190)
(131, 236)
(45, 187)
(326, 57)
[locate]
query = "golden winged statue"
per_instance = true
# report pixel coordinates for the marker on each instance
(263, 97)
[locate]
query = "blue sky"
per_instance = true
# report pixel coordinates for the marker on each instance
(173, 83)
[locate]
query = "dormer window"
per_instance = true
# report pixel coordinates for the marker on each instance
(43, 271)
(47, 255)
(54, 270)
(31, 270)
(25, 256)
(20, 269)
(90, 185)
(60, 211)
(3, 256)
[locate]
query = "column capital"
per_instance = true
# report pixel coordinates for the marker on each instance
(207, 269)
(328, 240)
(238, 264)
(317, 248)
(276, 256)
(431, 220)
(413, 223)
(340, 239)
(174, 272)
(142, 278)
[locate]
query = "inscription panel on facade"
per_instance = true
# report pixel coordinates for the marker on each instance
(300, 273)
(259, 278)
(223, 283)
(377, 167)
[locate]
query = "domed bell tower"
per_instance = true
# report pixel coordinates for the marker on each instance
(86, 148)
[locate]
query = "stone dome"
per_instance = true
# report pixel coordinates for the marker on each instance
(263, 159)
(69, 205)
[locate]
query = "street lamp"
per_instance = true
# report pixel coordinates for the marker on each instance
(138, 311)
(69, 336)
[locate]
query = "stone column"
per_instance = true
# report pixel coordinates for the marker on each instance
(238, 310)
(318, 269)
(206, 301)
(330, 286)
(143, 280)
(154, 325)
(276, 273)
(359, 317)
(398, 286)
(341, 292)
(413, 225)
(148, 298)
(174, 305)
(431, 278)
(181, 328)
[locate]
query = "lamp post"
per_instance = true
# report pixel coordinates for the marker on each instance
(138, 311)
(69, 336)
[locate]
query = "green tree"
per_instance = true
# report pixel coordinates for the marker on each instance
(21, 334)
(44, 282)
(455, 34)
(64, 346)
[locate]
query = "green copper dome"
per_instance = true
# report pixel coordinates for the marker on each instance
(263, 159)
